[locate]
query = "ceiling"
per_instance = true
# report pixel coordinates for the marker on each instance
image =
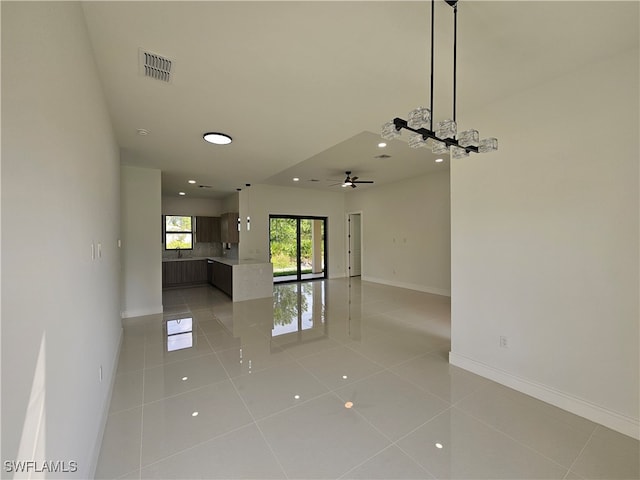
(303, 87)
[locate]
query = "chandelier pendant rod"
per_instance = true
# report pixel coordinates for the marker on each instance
(433, 3)
(455, 48)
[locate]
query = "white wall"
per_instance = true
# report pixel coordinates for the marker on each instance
(406, 233)
(206, 207)
(141, 242)
(260, 201)
(231, 203)
(545, 244)
(60, 197)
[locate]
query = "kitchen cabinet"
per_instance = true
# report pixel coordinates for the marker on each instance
(184, 272)
(207, 229)
(223, 277)
(229, 228)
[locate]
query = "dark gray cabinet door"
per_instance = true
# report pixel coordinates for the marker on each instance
(223, 277)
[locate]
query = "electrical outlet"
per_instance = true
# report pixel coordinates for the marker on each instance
(504, 343)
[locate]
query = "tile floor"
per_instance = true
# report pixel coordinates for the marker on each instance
(261, 389)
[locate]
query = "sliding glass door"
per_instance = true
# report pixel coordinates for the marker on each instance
(297, 247)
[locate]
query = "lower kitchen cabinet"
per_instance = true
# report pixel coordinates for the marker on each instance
(223, 277)
(186, 272)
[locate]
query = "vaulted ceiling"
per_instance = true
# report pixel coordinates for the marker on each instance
(303, 87)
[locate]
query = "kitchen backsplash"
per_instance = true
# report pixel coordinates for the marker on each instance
(199, 250)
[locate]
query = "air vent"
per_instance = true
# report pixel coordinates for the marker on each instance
(384, 155)
(314, 180)
(205, 186)
(155, 66)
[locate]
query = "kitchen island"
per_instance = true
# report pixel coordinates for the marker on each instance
(242, 279)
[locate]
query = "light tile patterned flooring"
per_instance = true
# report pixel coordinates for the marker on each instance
(270, 381)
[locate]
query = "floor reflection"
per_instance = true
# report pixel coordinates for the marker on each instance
(298, 307)
(362, 366)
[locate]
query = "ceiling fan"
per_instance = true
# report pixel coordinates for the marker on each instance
(352, 181)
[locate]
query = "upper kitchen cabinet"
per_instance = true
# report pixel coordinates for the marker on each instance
(208, 229)
(229, 228)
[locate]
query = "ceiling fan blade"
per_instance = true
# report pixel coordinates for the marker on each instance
(363, 181)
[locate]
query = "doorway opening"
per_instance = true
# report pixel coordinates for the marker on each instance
(354, 237)
(297, 247)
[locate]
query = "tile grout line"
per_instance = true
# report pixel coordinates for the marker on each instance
(144, 376)
(581, 451)
(255, 423)
(519, 442)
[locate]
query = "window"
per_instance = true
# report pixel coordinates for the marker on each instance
(178, 232)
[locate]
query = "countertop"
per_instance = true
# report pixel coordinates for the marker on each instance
(183, 259)
(224, 260)
(235, 261)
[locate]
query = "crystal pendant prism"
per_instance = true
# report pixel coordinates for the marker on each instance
(458, 152)
(488, 145)
(446, 129)
(417, 141)
(439, 147)
(389, 131)
(469, 138)
(419, 118)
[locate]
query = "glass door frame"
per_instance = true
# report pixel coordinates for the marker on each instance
(298, 273)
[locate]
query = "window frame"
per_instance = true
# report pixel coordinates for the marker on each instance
(167, 232)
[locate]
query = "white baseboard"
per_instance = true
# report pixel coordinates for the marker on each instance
(410, 286)
(105, 412)
(140, 312)
(613, 420)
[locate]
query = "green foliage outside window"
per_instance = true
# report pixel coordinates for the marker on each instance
(282, 237)
(178, 232)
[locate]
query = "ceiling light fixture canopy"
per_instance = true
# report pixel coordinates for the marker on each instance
(420, 120)
(217, 138)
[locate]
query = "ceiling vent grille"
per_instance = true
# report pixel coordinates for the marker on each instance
(155, 66)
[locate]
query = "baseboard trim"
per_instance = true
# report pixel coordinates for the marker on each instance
(409, 286)
(141, 312)
(613, 420)
(105, 412)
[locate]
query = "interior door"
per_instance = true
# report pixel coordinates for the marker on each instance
(355, 242)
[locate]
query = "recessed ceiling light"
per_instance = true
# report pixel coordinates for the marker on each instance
(194, 414)
(439, 445)
(217, 138)
(439, 160)
(142, 131)
(296, 179)
(192, 181)
(181, 193)
(382, 145)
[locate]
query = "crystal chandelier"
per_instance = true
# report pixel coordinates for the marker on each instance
(445, 138)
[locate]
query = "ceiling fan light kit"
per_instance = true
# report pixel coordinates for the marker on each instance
(352, 181)
(420, 120)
